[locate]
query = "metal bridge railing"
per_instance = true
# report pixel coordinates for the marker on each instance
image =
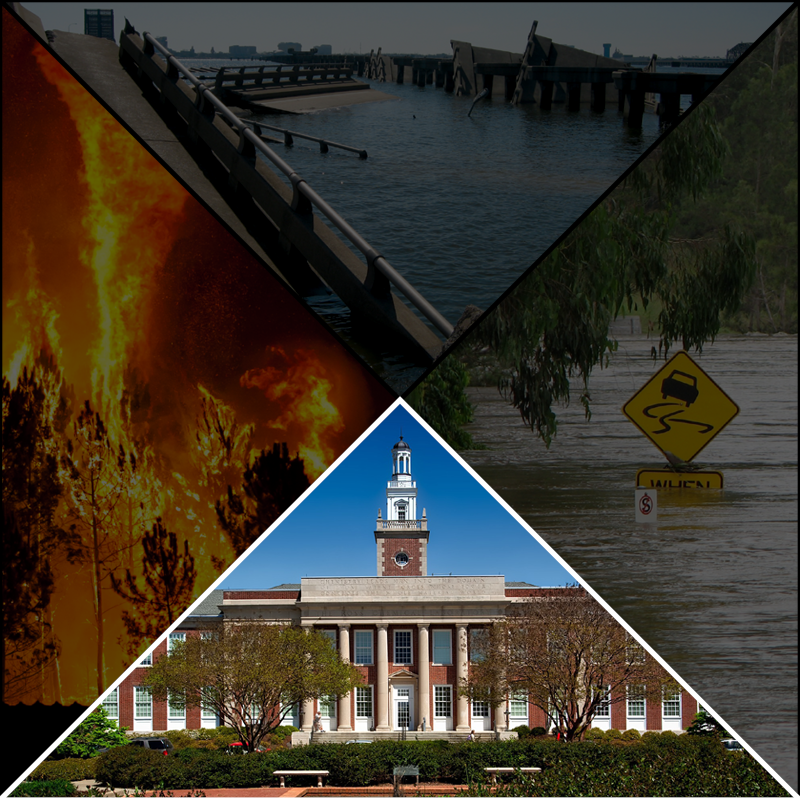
(303, 196)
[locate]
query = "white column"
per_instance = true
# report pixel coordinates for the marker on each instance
(382, 689)
(462, 703)
(308, 705)
(344, 701)
(424, 667)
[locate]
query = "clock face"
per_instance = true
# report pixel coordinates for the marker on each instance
(401, 559)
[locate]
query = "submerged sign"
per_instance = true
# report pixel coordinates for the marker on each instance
(680, 409)
(669, 479)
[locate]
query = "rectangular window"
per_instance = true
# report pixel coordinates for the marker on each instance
(111, 704)
(330, 635)
(327, 705)
(175, 711)
(363, 701)
(604, 707)
(147, 661)
(175, 637)
(518, 705)
(476, 640)
(207, 713)
(402, 647)
(442, 649)
(142, 702)
(636, 701)
(442, 701)
(671, 704)
(636, 653)
(480, 708)
(363, 650)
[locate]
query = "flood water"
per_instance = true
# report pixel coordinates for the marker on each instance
(712, 587)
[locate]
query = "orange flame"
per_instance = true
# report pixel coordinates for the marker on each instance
(134, 205)
(300, 387)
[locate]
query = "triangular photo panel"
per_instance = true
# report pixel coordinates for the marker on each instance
(402, 604)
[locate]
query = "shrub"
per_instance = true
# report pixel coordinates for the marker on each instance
(538, 731)
(67, 769)
(631, 734)
(594, 735)
(522, 731)
(56, 788)
(95, 732)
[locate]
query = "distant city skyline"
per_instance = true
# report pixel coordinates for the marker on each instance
(331, 533)
(668, 29)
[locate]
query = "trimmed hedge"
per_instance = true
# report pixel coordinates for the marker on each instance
(57, 788)
(68, 769)
(655, 766)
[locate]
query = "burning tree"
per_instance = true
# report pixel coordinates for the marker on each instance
(250, 674)
(169, 577)
(34, 412)
(568, 655)
(270, 485)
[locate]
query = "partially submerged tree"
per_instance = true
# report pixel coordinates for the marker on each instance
(95, 732)
(568, 655)
(250, 674)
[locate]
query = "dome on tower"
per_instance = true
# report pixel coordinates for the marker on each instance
(401, 445)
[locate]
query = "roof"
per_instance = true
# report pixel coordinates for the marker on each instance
(285, 587)
(209, 606)
(401, 445)
(520, 585)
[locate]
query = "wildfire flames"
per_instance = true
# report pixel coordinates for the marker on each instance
(135, 329)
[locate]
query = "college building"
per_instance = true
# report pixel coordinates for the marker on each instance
(409, 633)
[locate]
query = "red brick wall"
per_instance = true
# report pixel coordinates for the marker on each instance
(412, 546)
(619, 712)
(688, 709)
(260, 595)
(652, 710)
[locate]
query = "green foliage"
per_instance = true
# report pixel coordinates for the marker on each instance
(522, 731)
(55, 788)
(655, 766)
(631, 734)
(68, 769)
(96, 731)
(704, 724)
(440, 399)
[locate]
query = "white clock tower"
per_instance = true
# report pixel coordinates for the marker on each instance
(401, 538)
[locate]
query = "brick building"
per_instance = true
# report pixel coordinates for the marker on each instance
(408, 632)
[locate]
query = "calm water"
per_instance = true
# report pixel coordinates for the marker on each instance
(713, 586)
(460, 206)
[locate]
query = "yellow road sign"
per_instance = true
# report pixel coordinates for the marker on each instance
(668, 479)
(680, 409)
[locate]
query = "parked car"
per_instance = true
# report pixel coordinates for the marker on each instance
(153, 743)
(731, 744)
(239, 748)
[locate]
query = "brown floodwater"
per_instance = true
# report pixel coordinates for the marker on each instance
(712, 587)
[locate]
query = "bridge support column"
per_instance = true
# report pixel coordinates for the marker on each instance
(670, 107)
(511, 84)
(439, 78)
(421, 78)
(573, 96)
(546, 97)
(429, 77)
(449, 82)
(635, 108)
(488, 81)
(400, 73)
(598, 97)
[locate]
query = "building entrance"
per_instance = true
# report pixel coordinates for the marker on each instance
(403, 707)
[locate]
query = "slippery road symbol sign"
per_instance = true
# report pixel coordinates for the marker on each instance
(680, 409)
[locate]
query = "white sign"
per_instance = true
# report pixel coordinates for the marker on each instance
(646, 505)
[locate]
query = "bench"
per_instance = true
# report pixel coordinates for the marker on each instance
(284, 773)
(409, 770)
(504, 770)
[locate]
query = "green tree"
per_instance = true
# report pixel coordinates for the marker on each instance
(704, 724)
(95, 732)
(568, 655)
(553, 327)
(168, 576)
(250, 674)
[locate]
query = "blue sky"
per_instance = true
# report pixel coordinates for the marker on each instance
(668, 29)
(332, 532)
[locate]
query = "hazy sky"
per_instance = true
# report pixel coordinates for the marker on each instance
(332, 532)
(667, 29)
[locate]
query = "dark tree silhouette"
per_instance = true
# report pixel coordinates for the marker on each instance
(169, 577)
(270, 485)
(35, 411)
